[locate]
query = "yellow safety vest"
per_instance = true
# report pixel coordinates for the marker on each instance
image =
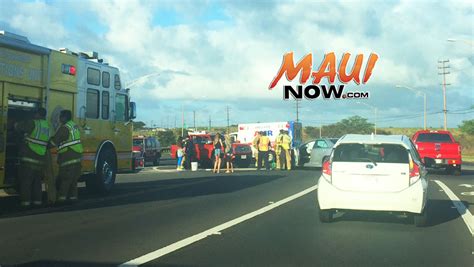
(74, 139)
(263, 144)
(38, 139)
(286, 141)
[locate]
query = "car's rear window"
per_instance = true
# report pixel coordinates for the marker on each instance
(201, 140)
(333, 140)
(434, 137)
(138, 142)
(387, 153)
(243, 149)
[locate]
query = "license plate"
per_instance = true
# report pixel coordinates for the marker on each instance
(243, 156)
(438, 161)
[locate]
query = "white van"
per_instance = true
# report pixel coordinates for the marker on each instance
(373, 173)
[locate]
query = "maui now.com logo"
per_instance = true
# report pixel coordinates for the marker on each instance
(328, 70)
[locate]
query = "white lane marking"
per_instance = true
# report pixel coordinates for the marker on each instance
(467, 185)
(467, 193)
(188, 241)
(465, 213)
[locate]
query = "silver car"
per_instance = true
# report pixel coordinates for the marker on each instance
(314, 152)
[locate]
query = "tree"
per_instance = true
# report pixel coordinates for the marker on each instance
(467, 127)
(351, 125)
(138, 125)
(166, 138)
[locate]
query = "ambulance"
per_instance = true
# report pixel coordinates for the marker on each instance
(247, 132)
(33, 76)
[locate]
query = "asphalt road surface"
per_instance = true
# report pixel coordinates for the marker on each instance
(161, 217)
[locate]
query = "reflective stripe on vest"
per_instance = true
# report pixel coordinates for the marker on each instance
(38, 139)
(30, 160)
(74, 139)
(70, 162)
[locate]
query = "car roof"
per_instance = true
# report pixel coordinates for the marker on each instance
(375, 139)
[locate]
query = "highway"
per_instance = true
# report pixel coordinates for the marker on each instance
(161, 217)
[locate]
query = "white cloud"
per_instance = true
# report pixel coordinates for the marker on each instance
(237, 59)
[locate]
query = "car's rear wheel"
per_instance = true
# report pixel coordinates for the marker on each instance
(453, 170)
(457, 170)
(326, 216)
(421, 220)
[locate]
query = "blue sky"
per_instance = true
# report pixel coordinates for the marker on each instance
(213, 54)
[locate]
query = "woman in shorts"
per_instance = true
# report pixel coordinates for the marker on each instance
(218, 146)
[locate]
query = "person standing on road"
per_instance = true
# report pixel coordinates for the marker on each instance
(179, 153)
(229, 155)
(263, 148)
(255, 142)
(218, 146)
(278, 149)
(188, 149)
(68, 141)
(285, 151)
(33, 157)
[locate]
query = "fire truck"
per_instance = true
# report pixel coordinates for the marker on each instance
(33, 76)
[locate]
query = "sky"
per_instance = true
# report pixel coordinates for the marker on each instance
(202, 57)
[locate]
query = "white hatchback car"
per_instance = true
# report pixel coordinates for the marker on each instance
(373, 173)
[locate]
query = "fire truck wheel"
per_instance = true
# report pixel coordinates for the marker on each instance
(156, 161)
(104, 179)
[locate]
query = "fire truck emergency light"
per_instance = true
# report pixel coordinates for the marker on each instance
(68, 69)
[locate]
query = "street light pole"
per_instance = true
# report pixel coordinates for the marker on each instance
(375, 115)
(375, 121)
(424, 100)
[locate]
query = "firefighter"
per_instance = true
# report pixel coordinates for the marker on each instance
(255, 142)
(278, 149)
(68, 141)
(263, 148)
(32, 157)
(285, 151)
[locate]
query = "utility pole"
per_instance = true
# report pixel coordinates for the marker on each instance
(227, 119)
(297, 111)
(209, 129)
(194, 119)
(444, 67)
(175, 121)
(182, 121)
(320, 130)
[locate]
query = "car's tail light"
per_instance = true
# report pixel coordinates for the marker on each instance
(414, 172)
(327, 171)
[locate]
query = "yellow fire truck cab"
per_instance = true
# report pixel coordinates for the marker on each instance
(32, 76)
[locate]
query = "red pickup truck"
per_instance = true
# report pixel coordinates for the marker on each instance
(204, 151)
(439, 150)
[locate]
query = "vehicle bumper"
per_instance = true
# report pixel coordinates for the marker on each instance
(433, 162)
(242, 157)
(138, 163)
(411, 199)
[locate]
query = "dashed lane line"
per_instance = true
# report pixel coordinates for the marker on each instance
(212, 231)
(463, 211)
